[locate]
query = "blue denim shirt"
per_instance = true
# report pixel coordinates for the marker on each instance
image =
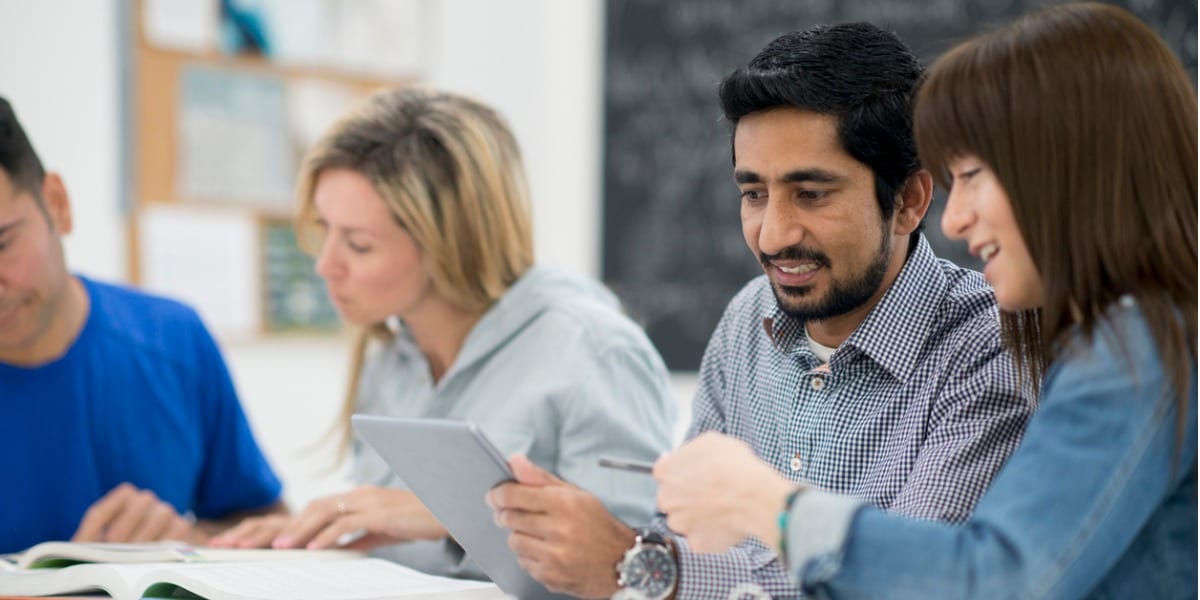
(1098, 501)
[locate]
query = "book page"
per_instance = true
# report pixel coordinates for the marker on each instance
(193, 555)
(117, 580)
(61, 554)
(362, 579)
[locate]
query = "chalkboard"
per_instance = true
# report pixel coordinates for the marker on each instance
(673, 248)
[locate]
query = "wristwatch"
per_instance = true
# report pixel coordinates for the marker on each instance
(648, 571)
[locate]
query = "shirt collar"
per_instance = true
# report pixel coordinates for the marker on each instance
(894, 332)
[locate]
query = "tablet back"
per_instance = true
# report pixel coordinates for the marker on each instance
(450, 466)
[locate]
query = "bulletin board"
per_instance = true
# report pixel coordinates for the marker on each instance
(222, 106)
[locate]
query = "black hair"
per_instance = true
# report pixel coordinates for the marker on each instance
(862, 75)
(17, 157)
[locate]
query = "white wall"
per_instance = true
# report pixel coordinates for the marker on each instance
(59, 69)
(537, 61)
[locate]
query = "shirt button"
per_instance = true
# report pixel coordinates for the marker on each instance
(817, 383)
(796, 463)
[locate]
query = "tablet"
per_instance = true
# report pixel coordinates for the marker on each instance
(450, 466)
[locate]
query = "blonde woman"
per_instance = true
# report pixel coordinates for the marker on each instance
(419, 203)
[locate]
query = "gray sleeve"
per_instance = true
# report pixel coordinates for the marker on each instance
(620, 406)
(368, 468)
(381, 375)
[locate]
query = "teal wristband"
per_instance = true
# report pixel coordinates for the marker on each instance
(783, 521)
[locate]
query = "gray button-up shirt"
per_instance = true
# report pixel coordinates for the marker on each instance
(552, 370)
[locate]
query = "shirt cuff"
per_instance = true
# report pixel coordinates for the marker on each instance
(816, 535)
(747, 570)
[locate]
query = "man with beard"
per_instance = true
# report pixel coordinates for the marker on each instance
(858, 363)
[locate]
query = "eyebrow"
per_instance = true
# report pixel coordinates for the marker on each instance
(798, 176)
(323, 223)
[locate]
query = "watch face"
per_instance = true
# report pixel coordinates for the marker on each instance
(651, 571)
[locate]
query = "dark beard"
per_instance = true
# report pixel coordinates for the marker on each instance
(843, 297)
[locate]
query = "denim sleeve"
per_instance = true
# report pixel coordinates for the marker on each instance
(1097, 465)
(976, 423)
(817, 542)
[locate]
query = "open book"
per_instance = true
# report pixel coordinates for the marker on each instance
(352, 579)
(61, 554)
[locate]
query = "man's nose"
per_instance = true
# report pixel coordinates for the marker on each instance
(781, 228)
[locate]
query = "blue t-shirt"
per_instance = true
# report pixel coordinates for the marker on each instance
(142, 396)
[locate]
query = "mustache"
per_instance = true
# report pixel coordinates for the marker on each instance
(796, 253)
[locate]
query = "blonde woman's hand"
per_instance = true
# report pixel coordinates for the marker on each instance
(381, 515)
(252, 532)
(717, 493)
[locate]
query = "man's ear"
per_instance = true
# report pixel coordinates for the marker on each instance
(913, 202)
(57, 203)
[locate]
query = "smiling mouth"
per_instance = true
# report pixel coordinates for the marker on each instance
(987, 252)
(799, 269)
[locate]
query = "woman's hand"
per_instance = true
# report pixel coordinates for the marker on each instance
(717, 493)
(381, 515)
(253, 532)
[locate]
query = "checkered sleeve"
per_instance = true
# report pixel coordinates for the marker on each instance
(708, 405)
(746, 569)
(976, 422)
(750, 566)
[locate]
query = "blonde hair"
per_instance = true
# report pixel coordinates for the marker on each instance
(450, 172)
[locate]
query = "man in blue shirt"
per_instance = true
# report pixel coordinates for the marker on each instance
(858, 362)
(120, 421)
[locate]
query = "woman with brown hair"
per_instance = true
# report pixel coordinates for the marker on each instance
(417, 205)
(1069, 142)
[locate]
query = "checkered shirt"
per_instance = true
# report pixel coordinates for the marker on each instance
(915, 412)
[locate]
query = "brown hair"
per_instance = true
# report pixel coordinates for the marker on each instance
(451, 173)
(1089, 123)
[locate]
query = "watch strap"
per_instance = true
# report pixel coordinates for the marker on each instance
(650, 536)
